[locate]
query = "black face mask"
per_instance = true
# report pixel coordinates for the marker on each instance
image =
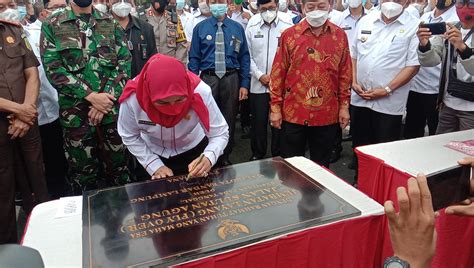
(163, 4)
(444, 4)
(194, 4)
(171, 8)
(83, 3)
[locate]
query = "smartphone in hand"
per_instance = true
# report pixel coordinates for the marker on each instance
(450, 186)
(436, 28)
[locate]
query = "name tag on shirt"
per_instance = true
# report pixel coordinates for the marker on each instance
(144, 122)
(347, 28)
(365, 32)
(258, 36)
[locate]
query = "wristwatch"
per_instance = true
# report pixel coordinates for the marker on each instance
(388, 90)
(395, 262)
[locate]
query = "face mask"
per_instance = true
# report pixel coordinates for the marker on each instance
(218, 10)
(354, 3)
(204, 8)
(21, 12)
(180, 4)
(269, 16)
(443, 4)
(172, 109)
(82, 3)
(418, 7)
(101, 7)
(10, 14)
(465, 15)
(253, 5)
(122, 9)
(283, 6)
(317, 18)
(163, 4)
(391, 9)
(171, 8)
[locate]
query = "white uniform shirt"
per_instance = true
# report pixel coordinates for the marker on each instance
(427, 79)
(382, 51)
(148, 142)
(237, 16)
(48, 106)
(187, 22)
(457, 103)
(262, 41)
(347, 22)
(197, 18)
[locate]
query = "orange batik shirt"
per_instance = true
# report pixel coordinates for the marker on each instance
(311, 75)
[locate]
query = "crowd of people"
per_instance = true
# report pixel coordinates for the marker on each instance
(99, 93)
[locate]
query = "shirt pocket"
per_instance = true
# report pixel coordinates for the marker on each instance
(398, 47)
(14, 51)
(106, 55)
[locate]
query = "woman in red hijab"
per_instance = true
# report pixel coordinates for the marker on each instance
(168, 119)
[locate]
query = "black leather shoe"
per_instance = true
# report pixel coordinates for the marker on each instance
(254, 158)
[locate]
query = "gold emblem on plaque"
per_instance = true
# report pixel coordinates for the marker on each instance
(10, 39)
(231, 228)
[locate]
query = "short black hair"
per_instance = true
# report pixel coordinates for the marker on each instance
(263, 2)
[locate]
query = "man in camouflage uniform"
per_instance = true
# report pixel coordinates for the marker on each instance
(169, 32)
(86, 59)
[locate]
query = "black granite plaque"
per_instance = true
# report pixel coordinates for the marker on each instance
(170, 221)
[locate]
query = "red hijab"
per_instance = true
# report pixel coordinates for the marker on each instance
(163, 77)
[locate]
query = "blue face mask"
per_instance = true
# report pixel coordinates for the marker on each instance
(180, 4)
(363, 2)
(22, 12)
(218, 10)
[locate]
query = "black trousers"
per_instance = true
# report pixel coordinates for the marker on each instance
(245, 113)
(55, 162)
(421, 110)
(226, 94)
(320, 139)
(21, 169)
(260, 108)
(179, 163)
(371, 127)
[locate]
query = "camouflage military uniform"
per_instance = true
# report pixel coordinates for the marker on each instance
(79, 58)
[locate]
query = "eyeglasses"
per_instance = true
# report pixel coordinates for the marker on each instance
(267, 9)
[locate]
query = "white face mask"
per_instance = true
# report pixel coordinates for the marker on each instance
(269, 16)
(354, 3)
(253, 5)
(391, 9)
(101, 7)
(283, 5)
(317, 18)
(204, 8)
(10, 14)
(122, 9)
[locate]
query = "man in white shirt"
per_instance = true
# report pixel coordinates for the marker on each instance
(48, 110)
(422, 99)
(238, 13)
(263, 33)
(384, 61)
(456, 96)
(186, 19)
(347, 20)
(203, 13)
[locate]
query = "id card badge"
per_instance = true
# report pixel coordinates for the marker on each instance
(130, 45)
(237, 44)
(144, 51)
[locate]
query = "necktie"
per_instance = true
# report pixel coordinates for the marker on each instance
(220, 52)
